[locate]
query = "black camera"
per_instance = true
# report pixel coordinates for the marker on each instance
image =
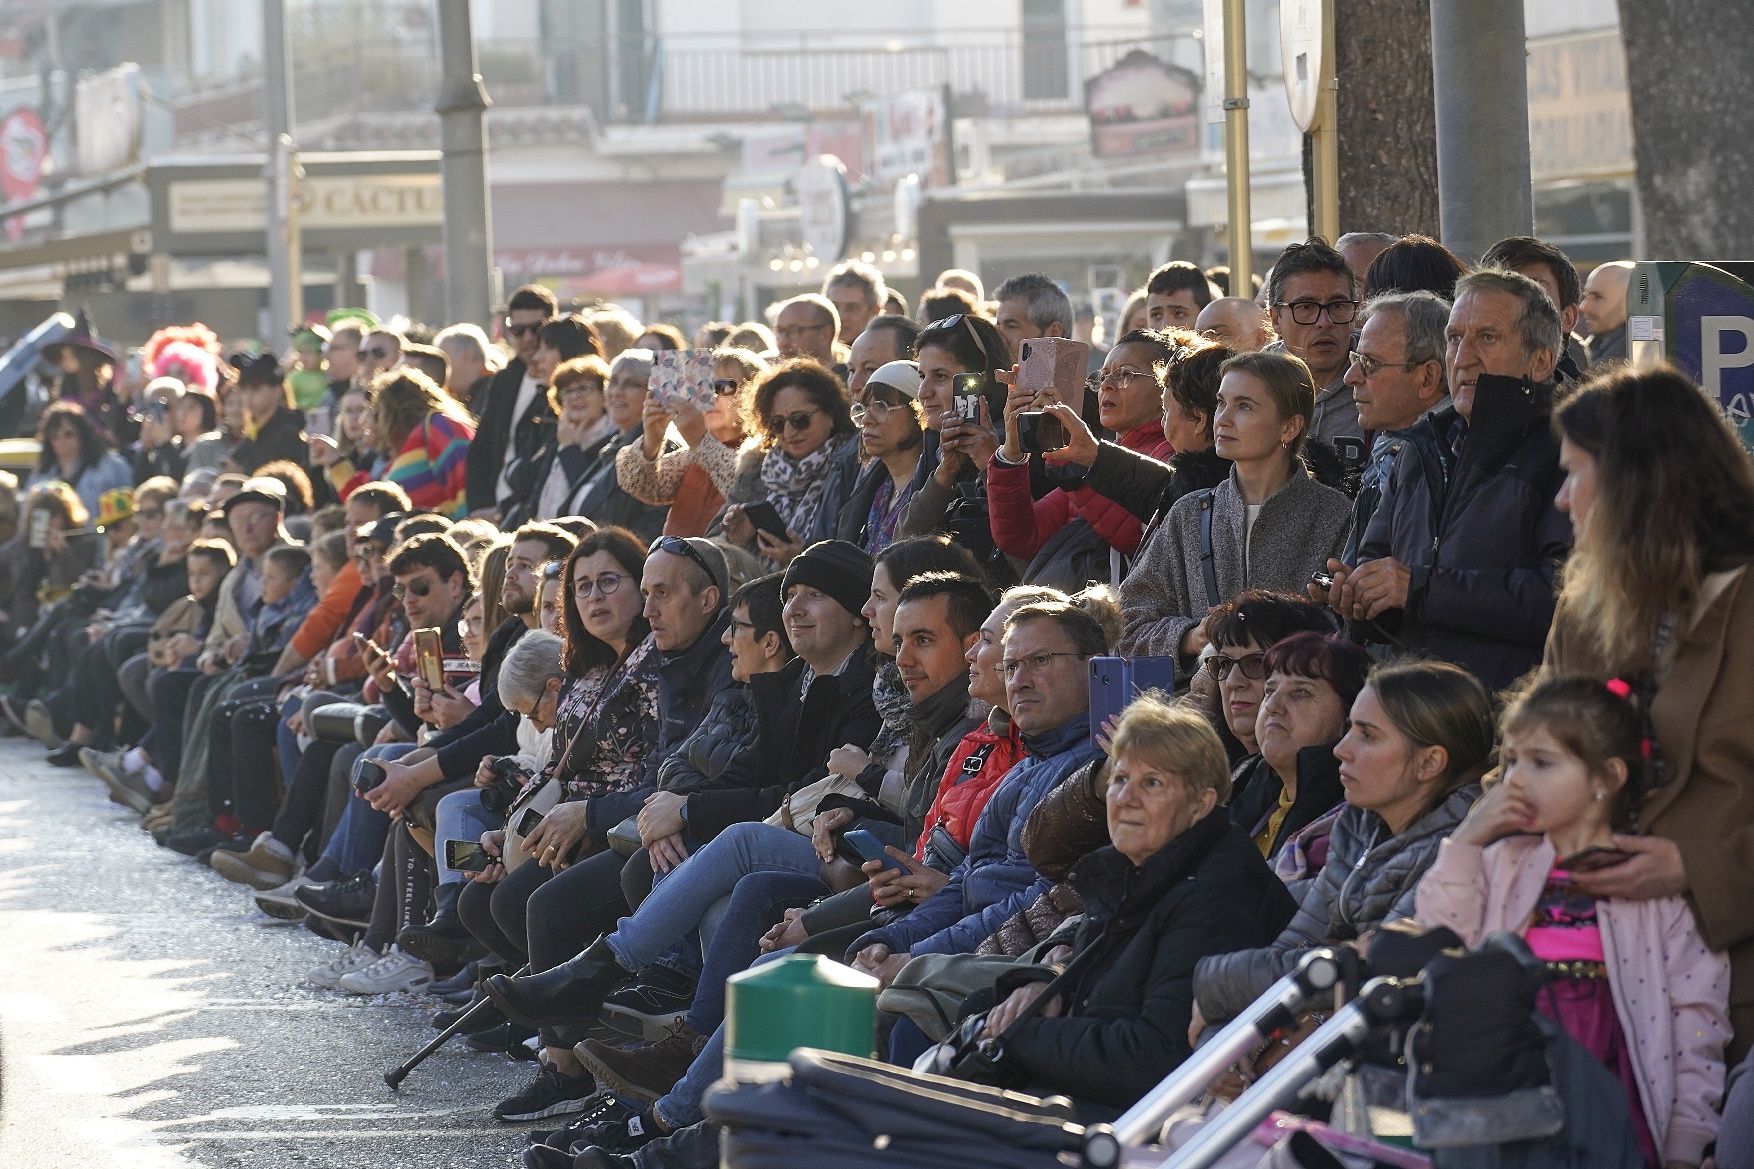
(508, 780)
(1039, 431)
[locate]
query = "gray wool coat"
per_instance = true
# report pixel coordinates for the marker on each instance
(1299, 528)
(1369, 879)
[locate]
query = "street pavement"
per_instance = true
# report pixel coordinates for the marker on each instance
(149, 1020)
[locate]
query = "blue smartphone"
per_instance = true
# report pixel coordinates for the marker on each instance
(870, 848)
(1116, 681)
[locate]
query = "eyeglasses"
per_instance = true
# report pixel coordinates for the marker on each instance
(736, 625)
(1369, 365)
(420, 586)
(373, 354)
(724, 387)
(1121, 376)
(798, 420)
(584, 385)
(877, 412)
(677, 546)
(151, 513)
(1253, 666)
(523, 330)
(1308, 312)
(1037, 662)
(603, 586)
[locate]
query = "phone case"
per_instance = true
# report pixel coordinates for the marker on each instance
(683, 375)
(1116, 682)
(1058, 363)
(428, 659)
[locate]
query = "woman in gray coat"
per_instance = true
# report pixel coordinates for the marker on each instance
(1269, 525)
(1420, 738)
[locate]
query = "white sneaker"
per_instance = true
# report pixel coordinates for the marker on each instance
(329, 974)
(393, 972)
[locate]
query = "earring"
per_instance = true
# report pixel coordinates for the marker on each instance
(1598, 795)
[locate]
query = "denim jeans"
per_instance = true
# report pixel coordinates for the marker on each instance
(460, 816)
(759, 900)
(681, 1106)
(676, 907)
(358, 842)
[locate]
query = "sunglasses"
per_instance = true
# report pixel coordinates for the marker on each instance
(420, 586)
(551, 570)
(798, 420)
(950, 324)
(724, 387)
(677, 546)
(523, 330)
(373, 354)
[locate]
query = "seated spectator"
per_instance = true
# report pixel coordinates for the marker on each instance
(892, 440)
(803, 419)
(1179, 882)
(541, 484)
(1269, 525)
(1313, 293)
(1065, 538)
(75, 452)
(1419, 741)
(424, 435)
(599, 495)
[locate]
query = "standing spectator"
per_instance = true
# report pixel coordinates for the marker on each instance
(1314, 296)
(273, 428)
(806, 327)
(661, 337)
(1552, 269)
(73, 452)
(512, 405)
(1661, 497)
(425, 433)
(582, 427)
(1604, 312)
(1361, 248)
(473, 360)
(1414, 263)
(1463, 551)
(1269, 525)
(1029, 306)
(1236, 323)
(1175, 294)
(857, 292)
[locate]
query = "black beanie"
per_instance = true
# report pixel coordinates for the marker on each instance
(835, 568)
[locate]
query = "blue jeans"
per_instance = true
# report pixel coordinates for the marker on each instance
(460, 816)
(758, 901)
(676, 907)
(681, 1106)
(358, 842)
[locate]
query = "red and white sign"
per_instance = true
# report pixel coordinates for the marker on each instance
(24, 145)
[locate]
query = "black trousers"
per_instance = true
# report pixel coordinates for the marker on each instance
(242, 772)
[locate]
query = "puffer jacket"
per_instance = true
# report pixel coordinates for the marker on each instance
(995, 879)
(1478, 532)
(721, 752)
(1298, 529)
(1254, 800)
(1022, 524)
(1149, 487)
(1125, 1024)
(1368, 880)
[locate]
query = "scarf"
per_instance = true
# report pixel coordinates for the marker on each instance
(795, 487)
(552, 501)
(896, 709)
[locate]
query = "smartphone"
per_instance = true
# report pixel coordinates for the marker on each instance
(967, 393)
(870, 848)
(40, 520)
(1593, 859)
(767, 519)
(527, 822)
(368, 774)
(429, 659)
(467, 856)
(1052, 363)
(1039, 431)
(683, 375)
(1115, 682)
(1322, 580)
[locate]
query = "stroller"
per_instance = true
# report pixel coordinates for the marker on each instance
(1494, 1104)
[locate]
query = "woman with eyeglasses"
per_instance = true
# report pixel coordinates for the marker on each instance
(1065, 538)
(273, 428)
(695, 481)
(605, 725)
(892, 437)
(1268, 525)
(74, 452)
(803, 421)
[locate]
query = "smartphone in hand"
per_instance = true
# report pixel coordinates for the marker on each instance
(869, 848)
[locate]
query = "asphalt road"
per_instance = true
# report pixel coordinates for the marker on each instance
(149, 1020)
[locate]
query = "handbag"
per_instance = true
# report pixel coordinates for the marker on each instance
(798, 810)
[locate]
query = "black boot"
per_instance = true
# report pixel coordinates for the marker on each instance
(572, 992)
(444, 940)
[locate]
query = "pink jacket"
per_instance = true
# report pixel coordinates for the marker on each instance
(1671, 993)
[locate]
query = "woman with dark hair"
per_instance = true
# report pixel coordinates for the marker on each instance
(1242, 630)
(803, 419)
(954, 498)
(195, 418)
(1414, 263)
(1419, 739)
(1657, 593)
(73, 452)
(273, 428)
(421, 436)
(605, 724)
(1268, 525)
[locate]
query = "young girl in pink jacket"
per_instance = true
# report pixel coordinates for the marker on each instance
(1632, 981)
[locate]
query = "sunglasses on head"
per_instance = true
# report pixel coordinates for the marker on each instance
(552, 570)
(677, 546)
(798, 420)
(420, 586)
(951, 324)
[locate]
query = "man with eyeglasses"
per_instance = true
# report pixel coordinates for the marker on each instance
(806, 327)
(506, 400)
(1314, 296)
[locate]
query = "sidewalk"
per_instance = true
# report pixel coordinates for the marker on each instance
(148, 1022)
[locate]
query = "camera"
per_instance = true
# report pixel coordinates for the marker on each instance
(1039, 431)
(508, 780)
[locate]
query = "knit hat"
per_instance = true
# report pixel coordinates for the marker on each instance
(117, 504)
(901, 376)
(840, 570)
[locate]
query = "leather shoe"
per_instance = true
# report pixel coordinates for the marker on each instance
(569, 993)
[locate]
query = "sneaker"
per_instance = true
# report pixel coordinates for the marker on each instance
(650, 1005)
(64, 755)
(129, 786)
(394, 972)
(506, 1038)
(647, 1070)
(196, 840)
(266, 864)
(39, 724)
(551, 1093)
(604, 1108)
(280, 902)
(347, 902)
(618, 1135)
(157, 817)
(329, 974)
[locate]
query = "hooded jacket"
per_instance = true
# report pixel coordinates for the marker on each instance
(995, 879)
(1145, 927)
(1478, 532)
(1369, 879)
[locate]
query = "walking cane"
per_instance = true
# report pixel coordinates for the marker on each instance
(395, 1076)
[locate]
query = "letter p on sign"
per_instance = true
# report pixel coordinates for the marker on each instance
(1713, 360)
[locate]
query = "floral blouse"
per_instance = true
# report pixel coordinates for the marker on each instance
(618, 708)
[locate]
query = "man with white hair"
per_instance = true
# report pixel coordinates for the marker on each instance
(473, 360)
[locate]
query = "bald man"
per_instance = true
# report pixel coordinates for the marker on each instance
(1236, 323)
(1603, 312)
